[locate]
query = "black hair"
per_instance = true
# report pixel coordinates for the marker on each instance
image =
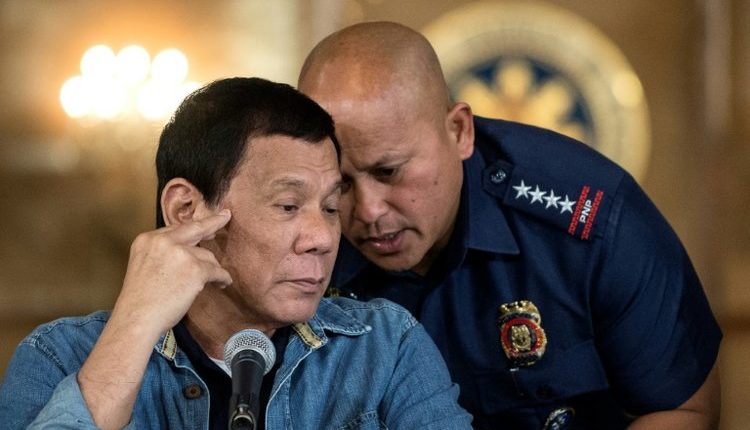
(206, 138)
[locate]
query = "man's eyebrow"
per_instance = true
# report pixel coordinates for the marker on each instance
(296, 183)
(387, 160)
(287, 182)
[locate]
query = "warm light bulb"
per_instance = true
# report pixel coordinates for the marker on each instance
(152, 101)
(133, 64)
(110, 100)
(75, 97)
(111, 85)
(169, 66)
(98, 62)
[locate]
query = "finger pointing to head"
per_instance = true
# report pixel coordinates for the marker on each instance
(203, 229)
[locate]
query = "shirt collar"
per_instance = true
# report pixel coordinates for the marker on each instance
(329, 318)
(349, 262)
(167, 345)
(480, 222)
(485, 227)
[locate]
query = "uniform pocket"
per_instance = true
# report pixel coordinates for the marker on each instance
(560, 374)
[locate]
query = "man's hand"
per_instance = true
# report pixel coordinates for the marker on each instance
(166, 272)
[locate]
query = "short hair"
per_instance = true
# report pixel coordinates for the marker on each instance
(205, 140)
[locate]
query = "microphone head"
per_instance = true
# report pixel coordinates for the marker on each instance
(254, 340)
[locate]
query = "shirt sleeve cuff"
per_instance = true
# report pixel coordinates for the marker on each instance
(67, 409)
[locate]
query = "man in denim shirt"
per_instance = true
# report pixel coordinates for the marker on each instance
(249, 188)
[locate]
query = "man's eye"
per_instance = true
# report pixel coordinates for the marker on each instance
(385, 172)
(288, 208)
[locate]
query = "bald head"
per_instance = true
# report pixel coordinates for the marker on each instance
(377, 59)
(403, 141)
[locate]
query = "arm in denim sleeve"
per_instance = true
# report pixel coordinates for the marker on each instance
(40, 390)
(66, 409)
(34, 376)
(420, 393)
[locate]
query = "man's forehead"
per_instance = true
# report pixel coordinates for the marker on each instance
(364, 157)
(280, 156)
(277, 147)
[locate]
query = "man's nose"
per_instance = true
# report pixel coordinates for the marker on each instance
(369, 202)
(319, 233)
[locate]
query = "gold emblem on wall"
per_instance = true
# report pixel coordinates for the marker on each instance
(543, 65)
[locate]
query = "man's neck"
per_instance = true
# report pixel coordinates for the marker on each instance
(214, 317)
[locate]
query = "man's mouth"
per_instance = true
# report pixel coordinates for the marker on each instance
(307, 284)
(386, 243)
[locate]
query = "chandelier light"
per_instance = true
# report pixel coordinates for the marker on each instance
(113, 86)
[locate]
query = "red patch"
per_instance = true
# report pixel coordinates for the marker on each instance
(592, 215)
(577, 213)
(585, 212)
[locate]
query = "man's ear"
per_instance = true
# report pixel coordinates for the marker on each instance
(179, 201)
(459, 123)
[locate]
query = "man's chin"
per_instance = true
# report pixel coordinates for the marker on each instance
(301, 315)
(392, 263)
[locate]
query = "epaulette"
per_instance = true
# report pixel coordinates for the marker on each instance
(578, 208)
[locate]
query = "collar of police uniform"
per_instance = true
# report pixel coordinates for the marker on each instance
(481, 221)
(486, 228)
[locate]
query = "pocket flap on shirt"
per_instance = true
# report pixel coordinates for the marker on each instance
(558, 375)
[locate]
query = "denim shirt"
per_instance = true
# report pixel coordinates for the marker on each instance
(354, 365)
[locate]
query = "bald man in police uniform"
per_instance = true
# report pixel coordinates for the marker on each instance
(557, 293)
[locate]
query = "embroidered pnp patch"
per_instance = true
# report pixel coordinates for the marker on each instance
(577, 207)
(585, 212)
(574, 210)
(521, 334)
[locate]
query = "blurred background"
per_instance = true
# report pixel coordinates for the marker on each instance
(85, 87)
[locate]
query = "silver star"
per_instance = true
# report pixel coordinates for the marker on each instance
(522, 189)
(552, 199)
(537, 194)
(566, 205)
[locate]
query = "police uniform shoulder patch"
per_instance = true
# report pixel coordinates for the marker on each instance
(578, 208)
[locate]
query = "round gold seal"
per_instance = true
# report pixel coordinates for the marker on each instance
(543, 65)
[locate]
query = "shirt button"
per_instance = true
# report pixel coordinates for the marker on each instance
(499, 176)
(559, 419)
(192, 391)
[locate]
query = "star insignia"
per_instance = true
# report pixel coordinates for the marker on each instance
(537, 194)
(566, 205)
(551, 199)
(522, 190)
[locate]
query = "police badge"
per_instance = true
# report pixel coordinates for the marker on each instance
(521, 334)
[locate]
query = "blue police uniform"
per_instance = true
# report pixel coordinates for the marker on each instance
(563, 299)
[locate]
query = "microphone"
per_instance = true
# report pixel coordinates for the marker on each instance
(250, 354)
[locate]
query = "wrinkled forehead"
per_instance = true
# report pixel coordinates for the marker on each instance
(276, 153)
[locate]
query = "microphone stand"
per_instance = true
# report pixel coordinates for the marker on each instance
(242, 419)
